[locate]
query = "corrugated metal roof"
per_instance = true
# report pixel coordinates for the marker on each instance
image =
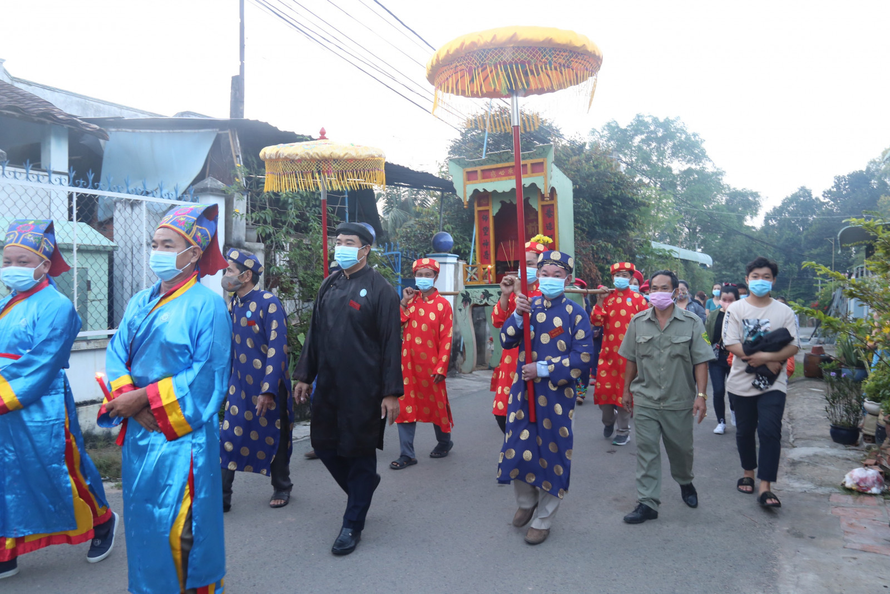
(21, 105)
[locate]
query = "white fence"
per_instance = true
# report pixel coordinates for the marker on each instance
(103, 233)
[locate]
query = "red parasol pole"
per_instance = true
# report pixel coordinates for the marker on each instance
(324, 228)
(520, 238)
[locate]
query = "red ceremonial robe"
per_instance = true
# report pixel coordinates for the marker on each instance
(619, 307)
(426, 350)
(505, 372)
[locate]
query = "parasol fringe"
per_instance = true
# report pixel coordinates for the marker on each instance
(300, 176)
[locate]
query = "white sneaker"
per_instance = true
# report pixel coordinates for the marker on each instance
(732, 417)
(721, 429)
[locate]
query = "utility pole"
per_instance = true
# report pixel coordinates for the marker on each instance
(236, 103)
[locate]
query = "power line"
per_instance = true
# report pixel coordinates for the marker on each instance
(378, 15)
(377, 34)
(404, 25)
(291, 23)
(423, 88)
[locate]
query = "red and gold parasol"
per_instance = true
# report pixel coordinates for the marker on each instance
(321, 165)
(515, 62)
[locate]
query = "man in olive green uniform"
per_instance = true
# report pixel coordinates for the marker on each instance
(667, 357)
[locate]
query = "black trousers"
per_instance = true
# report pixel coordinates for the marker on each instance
(358, 478)
(279, 468)
(761, 415)
(502, 423)
(719, 372)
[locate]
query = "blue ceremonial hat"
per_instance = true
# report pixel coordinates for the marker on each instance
(245, 259)
(38, 236)
(561, 259)
(197, 224)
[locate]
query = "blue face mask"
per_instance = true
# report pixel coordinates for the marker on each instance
(346, 256)
(551, 286)
(622, 283)
(635, 288)
(760, 287)
(715, 292)
(19, 278)
(424, 284)
(531, 274)
(164, 264)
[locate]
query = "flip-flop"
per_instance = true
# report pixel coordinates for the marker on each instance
(767, 495)
(441, 452)
(402, 462)
(746, 481)
(279, 496)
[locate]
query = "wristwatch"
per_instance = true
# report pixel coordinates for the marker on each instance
(702, 395)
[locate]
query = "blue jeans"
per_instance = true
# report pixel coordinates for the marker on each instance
(719, 372)
(406, 438)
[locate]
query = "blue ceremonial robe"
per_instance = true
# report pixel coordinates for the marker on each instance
(50, 491)
(540, 453)
(178, 347)
(250, 442)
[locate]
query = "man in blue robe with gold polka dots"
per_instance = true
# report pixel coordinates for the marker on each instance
(537, 455)
(256, 433)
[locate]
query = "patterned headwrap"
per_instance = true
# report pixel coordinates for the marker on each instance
(561, 259)
(639, 276)
(430, 263)
(38, 236)
(538, 244)
(626, 266)
(245, 259)
(197, 224)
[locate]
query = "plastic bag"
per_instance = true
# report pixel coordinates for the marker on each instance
(865, 480)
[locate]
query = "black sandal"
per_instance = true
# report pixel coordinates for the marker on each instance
(402, 462)
(767, 495)
(441, 451)
(746, 481)
(280, 496)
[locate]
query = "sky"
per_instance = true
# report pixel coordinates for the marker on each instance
(784, 93)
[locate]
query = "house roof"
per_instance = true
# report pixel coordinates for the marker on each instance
(255, 134)
(21, 105)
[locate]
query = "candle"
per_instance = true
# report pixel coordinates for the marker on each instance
(100, 379)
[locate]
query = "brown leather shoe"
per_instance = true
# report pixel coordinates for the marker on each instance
(311, 455)
(535, 536)
(524, 516)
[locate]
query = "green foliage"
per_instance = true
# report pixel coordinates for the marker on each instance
(866, 336)
(690, 205)
(843, 398)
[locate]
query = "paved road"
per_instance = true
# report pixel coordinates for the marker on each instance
(444, 526)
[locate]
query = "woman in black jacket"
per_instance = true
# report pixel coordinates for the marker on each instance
(719, 368)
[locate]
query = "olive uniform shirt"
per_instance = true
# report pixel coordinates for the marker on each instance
(665, 358)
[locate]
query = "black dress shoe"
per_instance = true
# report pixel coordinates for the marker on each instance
(641, 514)
(347, 541)
(689, 495)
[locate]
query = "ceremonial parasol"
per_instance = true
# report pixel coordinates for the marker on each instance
(515, 62)
(321, 165)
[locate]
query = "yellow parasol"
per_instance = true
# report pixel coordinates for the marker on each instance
(319, 165)
(515, 62)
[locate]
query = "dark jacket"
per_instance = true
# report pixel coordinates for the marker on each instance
(354, 349)
(771, 342)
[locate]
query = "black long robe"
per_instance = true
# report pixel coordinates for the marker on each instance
(354, 349)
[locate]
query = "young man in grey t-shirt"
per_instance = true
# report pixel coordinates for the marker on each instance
(759, 410)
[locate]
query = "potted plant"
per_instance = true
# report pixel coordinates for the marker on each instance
(843, 405)
(852, 363)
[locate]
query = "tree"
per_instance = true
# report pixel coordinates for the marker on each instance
(609, 207)
(691, 206)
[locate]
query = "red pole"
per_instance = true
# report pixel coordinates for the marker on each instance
(520, 239)
(324, 229)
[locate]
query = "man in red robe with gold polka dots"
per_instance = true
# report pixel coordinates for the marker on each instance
(505, 372)
(614, 315)
(426, 350)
